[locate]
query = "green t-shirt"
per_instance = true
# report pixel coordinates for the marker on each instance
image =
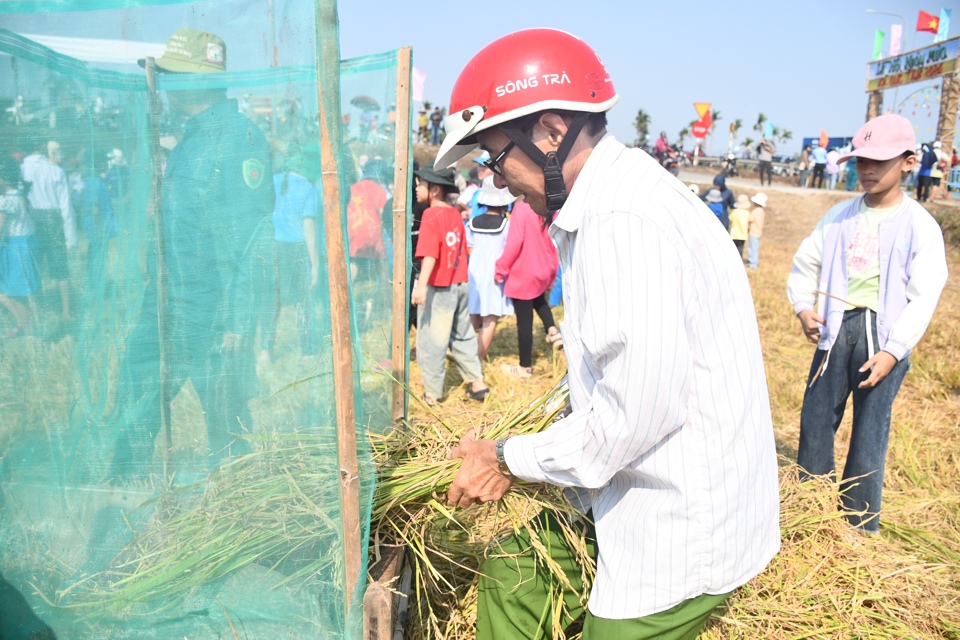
(863, 259)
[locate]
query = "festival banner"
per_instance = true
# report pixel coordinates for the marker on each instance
(944, 29)
(896, 37)
(913, 66)
(878, 37)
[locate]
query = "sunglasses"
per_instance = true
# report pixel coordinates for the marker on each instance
(494, 163)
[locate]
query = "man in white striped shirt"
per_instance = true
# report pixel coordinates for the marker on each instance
(49, 196)
(670, 441)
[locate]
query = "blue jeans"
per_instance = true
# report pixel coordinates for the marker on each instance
(444, 322)
(828, 387)
(753, 251)
(435, 134)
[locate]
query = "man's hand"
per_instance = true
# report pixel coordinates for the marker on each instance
(230, 342)
(881, 363)
(479, 478)
(811, 322)
(419, 295)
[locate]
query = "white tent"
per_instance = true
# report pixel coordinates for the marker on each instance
(93, 50)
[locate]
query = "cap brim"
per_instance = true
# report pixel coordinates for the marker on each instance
(177, 66)
(874, 153)
(432, 178)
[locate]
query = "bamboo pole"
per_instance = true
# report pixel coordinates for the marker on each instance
(401, 233)
(156, 183)
(328, 90)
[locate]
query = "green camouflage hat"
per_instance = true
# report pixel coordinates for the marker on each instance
(193, 51)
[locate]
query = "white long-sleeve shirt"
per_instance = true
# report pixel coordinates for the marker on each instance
(50, 189)
(671, 427)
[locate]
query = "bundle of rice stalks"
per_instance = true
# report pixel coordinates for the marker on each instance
(277, 507)
(447, 545)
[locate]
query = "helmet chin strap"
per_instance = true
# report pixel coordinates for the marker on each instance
(552, 161)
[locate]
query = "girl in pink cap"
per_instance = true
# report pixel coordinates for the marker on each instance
(864, 286)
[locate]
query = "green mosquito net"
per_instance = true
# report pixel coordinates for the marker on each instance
(168, 435)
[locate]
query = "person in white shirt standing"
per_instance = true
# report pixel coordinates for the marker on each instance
(49, 197)
(670, 441)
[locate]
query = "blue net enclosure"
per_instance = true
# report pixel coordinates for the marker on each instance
(169, 462)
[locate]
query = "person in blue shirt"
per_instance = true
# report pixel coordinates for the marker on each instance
(819, 158)
(295, 252)
(720, 200)
(217, 200)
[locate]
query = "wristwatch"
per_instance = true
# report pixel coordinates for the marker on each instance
(501, 461)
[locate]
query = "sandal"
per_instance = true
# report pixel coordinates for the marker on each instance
(479, 396)
(517, 371)
(555, 340)
(427, 400)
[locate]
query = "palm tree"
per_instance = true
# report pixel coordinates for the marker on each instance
(786, 135)
(642, 124)
(737, 125)
(715, 118)
(683, 133)
(759, 126)
(747, 142)
(427, 105)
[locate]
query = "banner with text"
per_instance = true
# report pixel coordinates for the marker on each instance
(923, 64)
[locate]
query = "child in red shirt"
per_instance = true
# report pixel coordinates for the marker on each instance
(442, 293)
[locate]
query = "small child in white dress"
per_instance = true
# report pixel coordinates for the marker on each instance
(486, 238)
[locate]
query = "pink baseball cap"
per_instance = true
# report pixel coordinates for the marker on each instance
(883, 138)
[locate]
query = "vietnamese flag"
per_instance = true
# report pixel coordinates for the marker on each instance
(927, 22)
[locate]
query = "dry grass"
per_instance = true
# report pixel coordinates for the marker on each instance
(827, 582)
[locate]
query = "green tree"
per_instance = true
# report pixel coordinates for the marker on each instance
(761, 119)
(683, 133)
(748, 142)
(716, 117)
(427, 105)
(786, 135)
(737, 125)
(642, 124)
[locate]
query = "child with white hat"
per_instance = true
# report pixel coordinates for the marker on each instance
(755, 229)
(486, 238)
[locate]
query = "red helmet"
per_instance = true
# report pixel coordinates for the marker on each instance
(519, 74)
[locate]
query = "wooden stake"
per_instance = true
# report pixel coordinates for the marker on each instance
(401, 233)
(156, 185)
(328, 94)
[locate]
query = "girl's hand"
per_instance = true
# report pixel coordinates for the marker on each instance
(811, 322)
(881, 363)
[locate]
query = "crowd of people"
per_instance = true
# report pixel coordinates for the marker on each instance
(742, 217)
(481, 256)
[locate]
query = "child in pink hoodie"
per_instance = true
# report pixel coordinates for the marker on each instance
(528, 266)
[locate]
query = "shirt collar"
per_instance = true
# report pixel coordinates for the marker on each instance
(600, 159)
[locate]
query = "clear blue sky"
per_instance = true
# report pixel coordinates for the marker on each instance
(802, 63)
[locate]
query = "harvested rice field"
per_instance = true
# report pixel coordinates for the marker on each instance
(827, 582)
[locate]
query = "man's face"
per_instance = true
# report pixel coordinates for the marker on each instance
(519, 173)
